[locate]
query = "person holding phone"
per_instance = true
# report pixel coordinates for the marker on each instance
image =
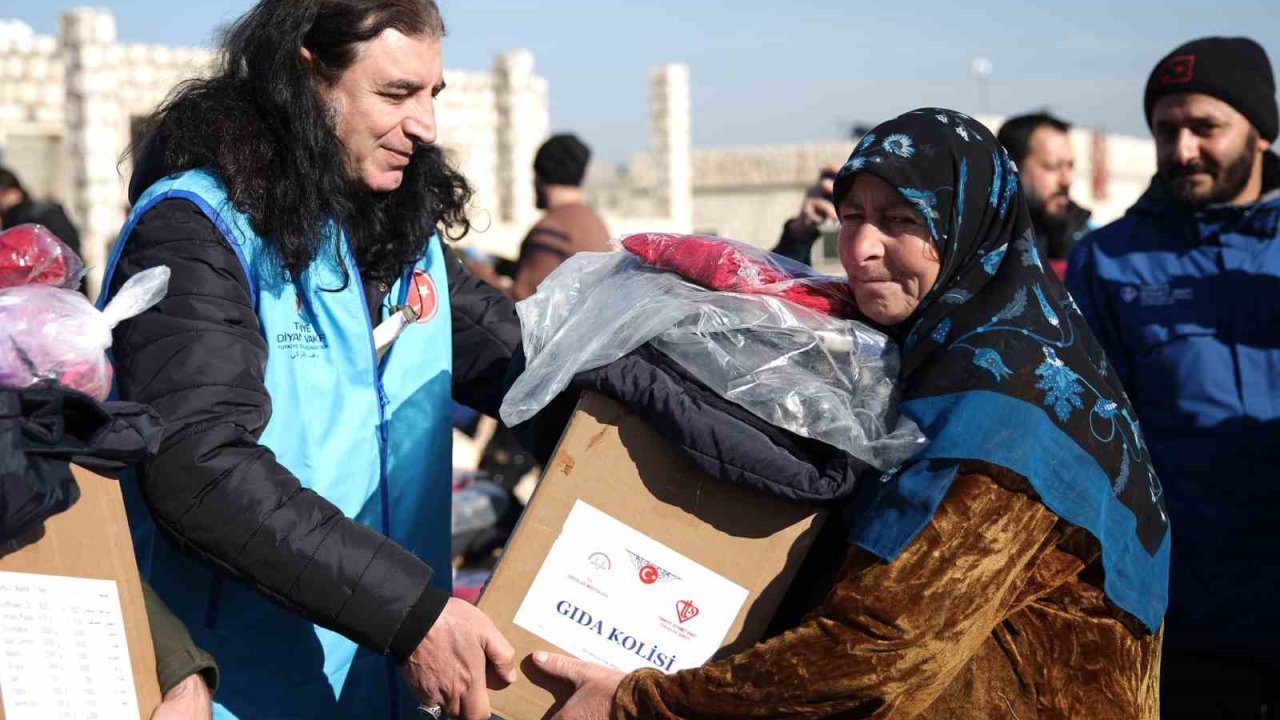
(817, 209)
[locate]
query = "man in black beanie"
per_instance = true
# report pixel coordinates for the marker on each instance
(568, 226)
(1211, 105)
(1184, 294)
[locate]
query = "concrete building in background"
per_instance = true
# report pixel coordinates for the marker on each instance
(70, 105)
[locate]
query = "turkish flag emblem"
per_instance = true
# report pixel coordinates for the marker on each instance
(648, 574)
(423, 297)
(686, 610)
(1177, 70)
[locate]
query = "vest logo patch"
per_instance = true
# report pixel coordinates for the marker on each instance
(301, 341)
(423, 297)
(1177, 70)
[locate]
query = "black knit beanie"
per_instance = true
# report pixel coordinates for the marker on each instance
(562, 160)
(1233, 69)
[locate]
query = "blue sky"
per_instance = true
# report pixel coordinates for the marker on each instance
(789, 70)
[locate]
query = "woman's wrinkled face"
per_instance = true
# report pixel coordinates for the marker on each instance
(886, 250)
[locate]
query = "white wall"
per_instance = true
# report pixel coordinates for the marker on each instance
(68, 106)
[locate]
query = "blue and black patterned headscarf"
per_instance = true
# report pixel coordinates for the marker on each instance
(999, 365)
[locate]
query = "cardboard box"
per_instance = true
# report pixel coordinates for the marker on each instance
(91, 540)
(612, 470)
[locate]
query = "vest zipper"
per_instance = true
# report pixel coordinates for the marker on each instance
(384, 492)
(382, 398)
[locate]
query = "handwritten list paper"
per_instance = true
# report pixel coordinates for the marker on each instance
(63, 652)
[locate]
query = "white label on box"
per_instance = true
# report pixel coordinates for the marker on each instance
(63, 651)
(608, 593)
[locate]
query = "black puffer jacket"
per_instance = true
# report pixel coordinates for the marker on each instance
(198, 358)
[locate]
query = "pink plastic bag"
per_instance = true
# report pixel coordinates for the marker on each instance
(719, 263)
(48, 334)
(32, 255)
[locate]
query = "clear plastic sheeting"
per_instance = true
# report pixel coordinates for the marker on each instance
(820, 377)
(48, 334)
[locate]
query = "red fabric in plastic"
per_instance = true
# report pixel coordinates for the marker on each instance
(719, 263)
(32, 255)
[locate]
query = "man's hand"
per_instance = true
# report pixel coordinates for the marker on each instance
(593, 686)
(817, 207)
(450, 667)
(188, 700)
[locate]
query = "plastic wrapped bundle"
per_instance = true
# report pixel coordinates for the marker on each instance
(719, 263)
(48, 334)
(32, 255)
(816, 375)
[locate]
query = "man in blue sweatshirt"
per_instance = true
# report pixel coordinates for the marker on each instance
(1184, 294)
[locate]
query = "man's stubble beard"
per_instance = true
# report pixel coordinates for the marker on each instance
(1228, 182)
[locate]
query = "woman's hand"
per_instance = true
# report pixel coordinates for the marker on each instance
(593, 685)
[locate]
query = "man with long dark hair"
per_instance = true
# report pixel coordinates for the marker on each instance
(302, 491)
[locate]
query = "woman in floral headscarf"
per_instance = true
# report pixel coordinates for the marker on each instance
(1017, 567)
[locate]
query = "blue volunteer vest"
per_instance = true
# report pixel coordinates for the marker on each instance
(372, 438)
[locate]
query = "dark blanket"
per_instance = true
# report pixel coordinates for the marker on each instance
(43, 430)
(714, 434)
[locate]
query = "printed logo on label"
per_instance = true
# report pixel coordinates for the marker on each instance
(649, 572)
(423, 297)
(600, 561)
(1156, 295)
(686, 611)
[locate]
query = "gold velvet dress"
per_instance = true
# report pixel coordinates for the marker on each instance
(994, 611)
